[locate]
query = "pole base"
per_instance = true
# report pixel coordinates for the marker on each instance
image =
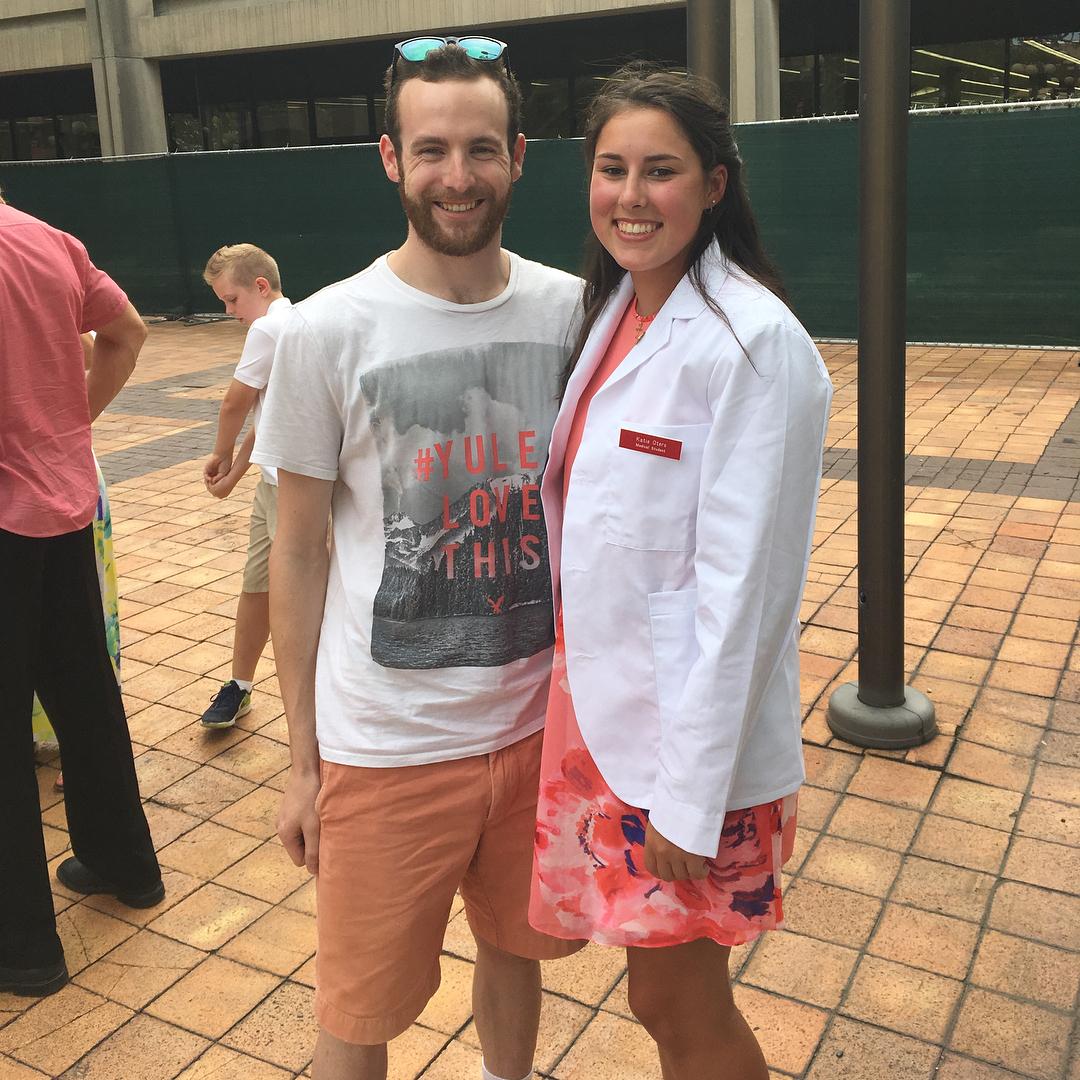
(882, 728)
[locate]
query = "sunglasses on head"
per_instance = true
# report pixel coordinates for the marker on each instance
(415, 50)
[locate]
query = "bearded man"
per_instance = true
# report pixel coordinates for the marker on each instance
(417, 399)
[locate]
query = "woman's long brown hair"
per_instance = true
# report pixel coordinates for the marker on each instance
(697, 108)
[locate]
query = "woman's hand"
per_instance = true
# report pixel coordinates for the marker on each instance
(669, 862)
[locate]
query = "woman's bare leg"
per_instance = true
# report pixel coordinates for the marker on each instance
(681, 994)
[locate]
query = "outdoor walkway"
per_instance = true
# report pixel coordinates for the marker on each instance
(933, 903)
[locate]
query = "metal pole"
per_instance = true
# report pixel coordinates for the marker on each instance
(708, 41)
(879, 710)
(883, 107)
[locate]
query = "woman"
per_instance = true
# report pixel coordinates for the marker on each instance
(679, 496)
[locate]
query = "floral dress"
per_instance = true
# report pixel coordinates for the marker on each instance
(106, 568)
(589, 876)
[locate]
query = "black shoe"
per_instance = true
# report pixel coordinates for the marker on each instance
(33, 982)
(79, 878)
(229, 703)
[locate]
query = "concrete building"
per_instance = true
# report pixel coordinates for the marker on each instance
(87, 77)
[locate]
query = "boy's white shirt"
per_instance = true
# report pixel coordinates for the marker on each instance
(257, 358)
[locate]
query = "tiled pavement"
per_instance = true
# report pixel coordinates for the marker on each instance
(933, 902)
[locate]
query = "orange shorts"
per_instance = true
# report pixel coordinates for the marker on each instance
(395, 844)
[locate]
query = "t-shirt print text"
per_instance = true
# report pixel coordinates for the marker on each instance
(485, 504)
(462, 436)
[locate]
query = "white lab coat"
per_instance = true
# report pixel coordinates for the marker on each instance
(681, 580)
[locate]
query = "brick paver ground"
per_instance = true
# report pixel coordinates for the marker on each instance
(933, 903)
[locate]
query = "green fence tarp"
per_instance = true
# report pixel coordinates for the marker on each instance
(993, 219)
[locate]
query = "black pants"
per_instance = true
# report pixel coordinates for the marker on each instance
(52, 640)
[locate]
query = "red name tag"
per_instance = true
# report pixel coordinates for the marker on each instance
(650, 444)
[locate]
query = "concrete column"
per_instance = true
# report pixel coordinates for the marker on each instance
(755, 60)
(131, 111)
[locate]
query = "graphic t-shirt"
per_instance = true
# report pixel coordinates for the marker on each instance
(256, 361)
(434, 420)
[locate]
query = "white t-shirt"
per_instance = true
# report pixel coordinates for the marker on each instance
(253, 368)
(434, 420)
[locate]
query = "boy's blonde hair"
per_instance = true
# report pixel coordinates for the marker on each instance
(244, 263)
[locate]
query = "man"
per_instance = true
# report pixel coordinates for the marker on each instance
(418, 396)
(52, 636)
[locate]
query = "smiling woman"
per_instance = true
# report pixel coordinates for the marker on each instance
(679, 500)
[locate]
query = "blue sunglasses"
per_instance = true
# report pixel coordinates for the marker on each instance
(416, 49)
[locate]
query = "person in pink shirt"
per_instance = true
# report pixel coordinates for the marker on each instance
(52, 639)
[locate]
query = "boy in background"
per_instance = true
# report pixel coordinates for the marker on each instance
(246, 280)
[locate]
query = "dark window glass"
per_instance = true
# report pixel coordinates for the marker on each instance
(839, 77)
(228, 127)
(797, 86)
(1044, 68)
(185, 133)
(342, 120)
(7, 148)
(967, 73)
(283, 123)
(35, 138)
(546, 109)
(79, 136)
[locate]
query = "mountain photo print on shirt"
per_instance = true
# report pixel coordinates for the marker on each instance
(462, 436)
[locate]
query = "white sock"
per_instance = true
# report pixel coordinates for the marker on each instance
(244, 685)
(487, 1074)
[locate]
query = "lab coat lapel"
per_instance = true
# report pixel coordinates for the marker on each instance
(684, 303)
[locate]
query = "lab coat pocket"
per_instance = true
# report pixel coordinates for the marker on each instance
(652, 498)
(674, 645)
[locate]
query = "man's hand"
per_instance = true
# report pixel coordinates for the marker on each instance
(669, 862)
(298, 823)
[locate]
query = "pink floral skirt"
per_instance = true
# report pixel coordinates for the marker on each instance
(589, 876)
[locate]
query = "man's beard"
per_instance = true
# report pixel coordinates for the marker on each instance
(463, 240)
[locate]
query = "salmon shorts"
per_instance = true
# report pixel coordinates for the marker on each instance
(395, 844)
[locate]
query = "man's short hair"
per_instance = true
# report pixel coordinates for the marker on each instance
(440, 65)
(243, 263)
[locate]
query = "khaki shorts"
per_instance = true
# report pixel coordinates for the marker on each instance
(263, 527)
(394, 846)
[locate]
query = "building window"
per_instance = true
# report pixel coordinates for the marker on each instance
(228, 127)
(185, 132)
(342, 120)
(546, 111)
(1045, 68)
(970, 73)
(838, 85)
(283, 123)
(797, 85)
(79, 136)
(35, 138)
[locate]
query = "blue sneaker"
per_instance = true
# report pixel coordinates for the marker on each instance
(229, 703)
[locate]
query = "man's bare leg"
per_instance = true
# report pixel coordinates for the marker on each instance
(506, 1007)
(338, 1060)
